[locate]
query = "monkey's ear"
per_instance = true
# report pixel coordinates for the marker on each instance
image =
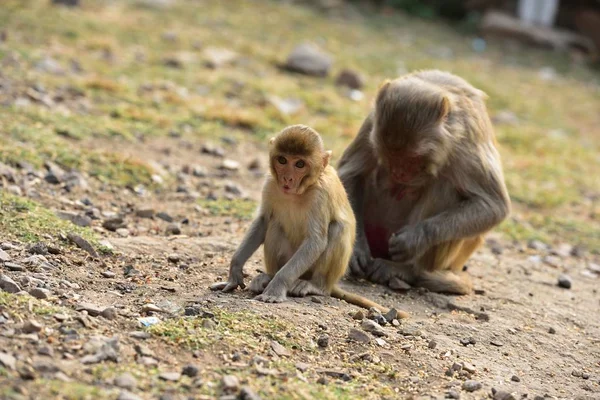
(384, 85)
(444, 108)
(326, 157)
(271, 141)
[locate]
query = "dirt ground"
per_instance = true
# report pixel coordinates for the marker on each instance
(520, 334)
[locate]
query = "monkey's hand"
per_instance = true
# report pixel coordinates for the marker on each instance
(236, 279)
(361, 259)
(274, 293)
(408, 244)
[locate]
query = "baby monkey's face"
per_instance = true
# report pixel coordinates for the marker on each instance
(290, 172)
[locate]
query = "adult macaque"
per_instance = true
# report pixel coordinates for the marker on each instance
(305, 223)
(425, 182)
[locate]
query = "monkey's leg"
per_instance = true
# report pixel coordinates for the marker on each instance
(259, 283)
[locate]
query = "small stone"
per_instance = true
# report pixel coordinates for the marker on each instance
(562, 250)
(190, 370)
(349, 78)
(144, 212)
(496, 343)
(468, 367)
(46, 351)
(140, 335)
(322, 381)
(122, 232)
(4, 256)
(398, 284)
(209, 324)
(302, 367)
(323, 341)
(38, 248)
(373, 327)
(40, 293)
(359, 315)
(564, 281)
(471, 385)
(8, 361)
(551, 330)
(125, 381)
(174, 258)
(92, 309)
(164, 216)
(32, 326)
(375, 315)
(553, 261)
(230, 384)
(126, 395)
(391, 315)
(26, 372)
(537, 245)
(61, 317)
(337, 374)
(83, 244)
(502, 395)
(515, 378)
(395, 322)
(8, 285)
(14, 267)
(576, 373)
(279, 349)
(248, 394)
(358, 336)
(109, 313)
(432, 344)
(467, 341)
(74, 218)
(114, 223)
(230, 165)
(173, 229)
(143, 351)
(585, 375)
(452, 394)
(108, 274)
(308, 59)
(170, 376)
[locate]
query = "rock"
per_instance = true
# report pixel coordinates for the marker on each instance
(551, 330)
(585, 375)
(564, 281)
(230, 165)
(452, 394)
(164, 216)
(68, 3)
(279, 349)
(468, 341)
(174, 258)
(213, 150)
(126, 395)
(248, 394)
(496, 343)
(144, 212)
(209, 324)
(46, 351)
(323, 341)
(140, 335)
(358, 336)
(308, 59)
(4, 256)
(114, 223)
(169, 376)
(125, 381)
(148, 361)
(468, 367)
(190, 370)
(108, 274)
(92, 309)
(230, 384)
(26, 372)
(471, 385)
(562, 250)
(32, 326)
(372, 327)
(359, 315)
(515, 378)
(218, 57)
(537, 245)
(109, 313)
(83, 244)
(336, 374)
(8, 361)
(144, 351)
(553, 261)
(40, 293)
(8, 285)
(74, 218)
(109, 350)
(398, 284)
(38, 248)
(302, 367)
(349, 78)
(286, 106)
(14, 267)
(432, 344)
(502, 395)
(375, 315)
(391, 315)
(173, 229)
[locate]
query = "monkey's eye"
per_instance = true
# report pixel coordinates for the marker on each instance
(281, 160)
(300, 164)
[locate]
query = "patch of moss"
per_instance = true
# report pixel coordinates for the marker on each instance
(239, 208)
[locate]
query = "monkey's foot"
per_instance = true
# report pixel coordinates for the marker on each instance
(304, 288)
(259, 283)
(274, 293)
(265, 298)
(388, 272)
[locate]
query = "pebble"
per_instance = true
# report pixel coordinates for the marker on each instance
(502, 395)
(248, 394)
(92, 309)
(4, 256)
(359, 315)
(537, 245)
(452, 394)
(114, 223)
(375, 315)
(350, 78)
(564, 281)
(164, 216)
(38, 248)
(145, 212)
(391, 315)
(322, 381)
(170, 376)
(209, 324)
(109, 313)
(108, 274)
(432, 344)
(468, 367)
(40, 293)
(471, 385)
(32, 326)
(126, 395)
(174, 258)
(26, 372)
(147, 308)
(496, 343)
(358, 336)
(8, 285)
(279, 349)
(74, 218)
(143, 351)
(231, 384)
(553, 261)
(308, 59)
(372, 327)
(46, 351)
(173, 229)
(190, 370)
(562, 250)
(551, 330)
(323, 341)
(515, 378)
(230, 165)
(302, 367)
(8, 361)
(140, 335)
(125, 381)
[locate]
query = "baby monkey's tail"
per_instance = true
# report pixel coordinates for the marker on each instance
(360, 301)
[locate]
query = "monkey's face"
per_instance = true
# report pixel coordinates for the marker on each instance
(406, 167)
(290, 171)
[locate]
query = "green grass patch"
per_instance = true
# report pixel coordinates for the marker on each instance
(239, 208)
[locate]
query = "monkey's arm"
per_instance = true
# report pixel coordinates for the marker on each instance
(252, 241)
(356, 163)
(303, 259)
(485, 205)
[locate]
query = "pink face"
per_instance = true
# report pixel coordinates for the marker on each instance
(290, 171)
(405, 168)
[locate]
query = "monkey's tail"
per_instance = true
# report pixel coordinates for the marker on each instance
(446, 282)
(360, 301)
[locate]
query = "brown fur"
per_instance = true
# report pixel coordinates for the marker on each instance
(447, 207)
(308, 232)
